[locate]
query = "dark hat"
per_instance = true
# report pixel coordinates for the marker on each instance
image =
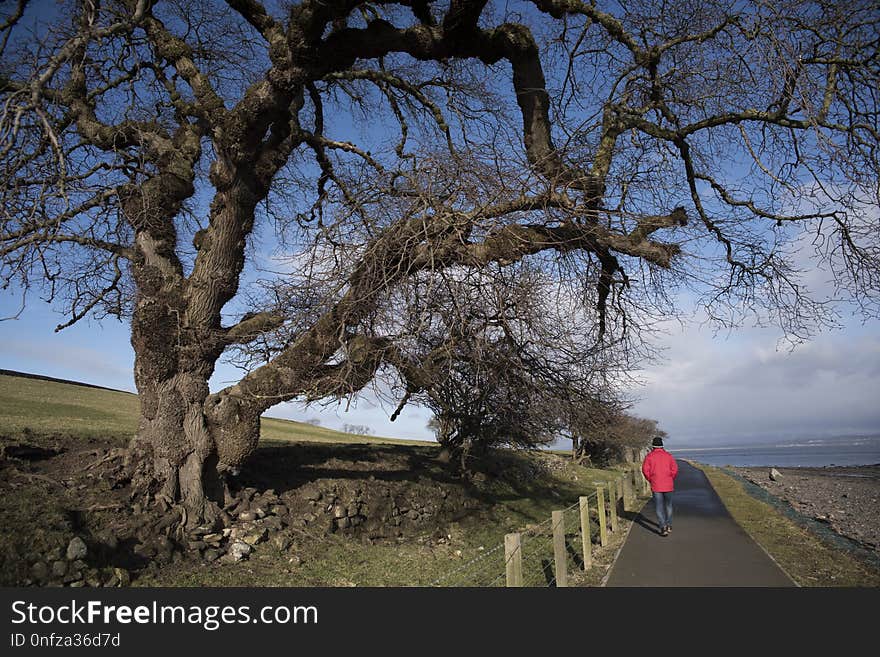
(657, 442)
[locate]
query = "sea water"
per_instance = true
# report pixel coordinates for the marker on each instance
(862, 450)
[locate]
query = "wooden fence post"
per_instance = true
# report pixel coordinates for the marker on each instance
(558, 521)
(513, 559)
(600, 507)
(585, 531)
(627, 491)
(612, 504)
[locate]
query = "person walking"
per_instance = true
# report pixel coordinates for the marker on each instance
(660, 469)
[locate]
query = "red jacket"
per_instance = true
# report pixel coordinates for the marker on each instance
(660, 470)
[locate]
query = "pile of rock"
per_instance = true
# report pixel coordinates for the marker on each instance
(70, 567)
(251, 520)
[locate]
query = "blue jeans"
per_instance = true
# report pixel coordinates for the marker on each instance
(663, 505)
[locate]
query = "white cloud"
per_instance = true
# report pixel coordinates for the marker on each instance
(713, 388)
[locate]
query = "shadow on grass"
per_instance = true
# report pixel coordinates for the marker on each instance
(285, 468)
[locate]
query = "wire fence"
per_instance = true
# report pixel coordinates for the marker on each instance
(537, 547)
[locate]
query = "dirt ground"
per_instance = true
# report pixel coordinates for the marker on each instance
(846, 498)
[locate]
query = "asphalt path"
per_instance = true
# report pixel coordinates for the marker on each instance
(705, 548)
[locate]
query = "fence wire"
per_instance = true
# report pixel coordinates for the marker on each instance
(536, 550)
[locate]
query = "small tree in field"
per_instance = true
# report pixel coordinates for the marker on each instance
(158, 157)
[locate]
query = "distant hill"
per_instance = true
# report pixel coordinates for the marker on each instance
(44, 404)
(42, 377)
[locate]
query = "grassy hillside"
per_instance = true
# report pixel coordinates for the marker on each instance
(52, 407)
(44, 406)
(411, 519)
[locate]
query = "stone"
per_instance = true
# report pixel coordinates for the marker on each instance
(72, 576)
(40, 571)
(279, 510)
(247, 516)
(123, 576)
(273, 523)
(239, 550)
(343, 523)
(340, 511)
(212, 538)
(241, 530)
(255, 537)
(59, 568)
(211, 555)
(281, 542)
(76, 549)
(775, 475)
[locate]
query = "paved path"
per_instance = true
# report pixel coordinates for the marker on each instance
(706, 546)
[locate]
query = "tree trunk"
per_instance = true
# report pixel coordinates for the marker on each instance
(187, 439)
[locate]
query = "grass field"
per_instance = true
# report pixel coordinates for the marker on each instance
(45, 406)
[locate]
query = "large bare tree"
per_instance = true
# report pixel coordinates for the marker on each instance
(151, 150)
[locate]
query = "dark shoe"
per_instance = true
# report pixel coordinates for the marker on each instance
(665, 532)
(668, 529)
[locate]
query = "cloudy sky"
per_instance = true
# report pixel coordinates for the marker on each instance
(707, 389)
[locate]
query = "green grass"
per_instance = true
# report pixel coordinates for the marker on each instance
(49, 407)
(278, 430)
(808, 560)
(472, 555)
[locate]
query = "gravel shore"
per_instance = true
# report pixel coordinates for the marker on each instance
(845, 498)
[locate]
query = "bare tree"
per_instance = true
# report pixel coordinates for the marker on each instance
(151, 149)
(359, 429)
(612, 436)
(503, 359)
